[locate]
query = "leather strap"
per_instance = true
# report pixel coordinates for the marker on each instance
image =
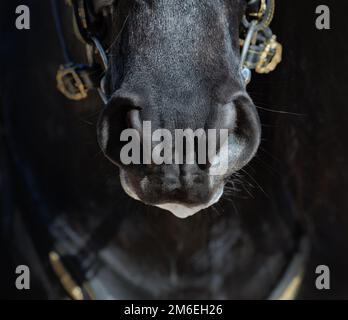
(75, 80)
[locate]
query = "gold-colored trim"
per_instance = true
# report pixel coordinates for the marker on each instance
(263, 65)
(64, 277)
(290, 293)
(262, 10)
(82, 91)
(289, 285)
(270, 16)
(82, 14)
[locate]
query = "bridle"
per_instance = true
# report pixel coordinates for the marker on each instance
(74, 80)
(260, 50)
(259, 47)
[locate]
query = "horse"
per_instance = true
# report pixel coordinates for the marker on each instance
(65, 212)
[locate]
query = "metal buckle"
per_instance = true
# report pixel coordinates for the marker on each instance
(70, 83)
(270, 57)
(259, 48)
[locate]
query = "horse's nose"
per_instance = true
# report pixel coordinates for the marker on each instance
(237, 127)
(121, 113)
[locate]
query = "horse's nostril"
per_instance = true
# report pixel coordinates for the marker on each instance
(121, 113)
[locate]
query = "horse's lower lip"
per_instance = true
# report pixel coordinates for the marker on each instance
(183, 212)
(179, 210)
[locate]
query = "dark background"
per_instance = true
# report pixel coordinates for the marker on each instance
(305, 149)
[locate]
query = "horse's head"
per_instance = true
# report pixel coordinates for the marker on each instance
(176, 65)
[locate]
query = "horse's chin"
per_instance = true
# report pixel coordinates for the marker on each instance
(180, 210)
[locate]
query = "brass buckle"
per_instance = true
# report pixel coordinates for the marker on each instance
(70, 83)
(270, 57)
